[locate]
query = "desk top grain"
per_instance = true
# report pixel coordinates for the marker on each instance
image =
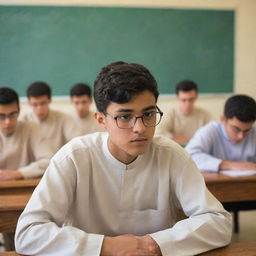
(13, 202)
(19, 183)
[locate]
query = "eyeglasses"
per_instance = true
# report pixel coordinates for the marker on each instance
(149, 118)
(10, 116)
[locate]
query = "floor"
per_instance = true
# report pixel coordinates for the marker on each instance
(247, 223)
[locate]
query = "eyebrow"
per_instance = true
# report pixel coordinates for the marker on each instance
(6, 114)
(127, 110)
(240, 130)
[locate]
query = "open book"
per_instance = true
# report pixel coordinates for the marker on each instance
(238, 173)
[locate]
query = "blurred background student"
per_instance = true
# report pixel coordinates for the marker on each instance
(81, 98)
(181, 122)
(58, 128)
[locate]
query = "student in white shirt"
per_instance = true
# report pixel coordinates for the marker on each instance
(58, 128)
(181, 122)
(231, 143)
(81, 98)
(119, 193)
(24, 154)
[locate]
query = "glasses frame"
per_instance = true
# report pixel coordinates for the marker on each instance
(137, 117)
(10, 116)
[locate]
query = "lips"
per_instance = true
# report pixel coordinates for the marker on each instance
(139, 140)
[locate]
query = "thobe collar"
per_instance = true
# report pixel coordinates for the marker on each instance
(113, 161)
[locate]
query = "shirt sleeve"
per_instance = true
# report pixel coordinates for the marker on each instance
(208, 225)
(199, 147)
(39, 153)
(41, 229)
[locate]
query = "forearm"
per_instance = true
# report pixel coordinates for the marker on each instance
(35, 169)
(237, 166)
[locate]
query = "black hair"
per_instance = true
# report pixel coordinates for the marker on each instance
(38, 89)
(119, 81)
(80, 89)
(185, 86)
(242, 107)
(8, 96)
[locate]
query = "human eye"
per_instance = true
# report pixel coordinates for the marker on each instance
(149, 114)
(124, 118)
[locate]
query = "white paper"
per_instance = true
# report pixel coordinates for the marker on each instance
(238, 173)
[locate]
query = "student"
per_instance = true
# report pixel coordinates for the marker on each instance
(81, 98)
(120, 190)
(58, 128)
(24, 154)
(230, 143)
(181, 122)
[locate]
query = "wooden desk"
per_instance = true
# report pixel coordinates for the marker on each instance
(11, 206)
(17, 187)
(14, 196)
(230, 189)
(234, 249)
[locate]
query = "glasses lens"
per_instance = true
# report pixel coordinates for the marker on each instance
(153, 119)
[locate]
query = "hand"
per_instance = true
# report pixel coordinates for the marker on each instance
(237, 166)
(10, 175)
(130, 245)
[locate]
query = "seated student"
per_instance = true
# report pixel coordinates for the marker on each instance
(58, 128)
(229, 144)
(181, 122)
(24, 154)
(81, 98)
(120, 190)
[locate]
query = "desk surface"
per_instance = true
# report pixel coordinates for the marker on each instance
(234, 249)
(230, 189)
(24, 183)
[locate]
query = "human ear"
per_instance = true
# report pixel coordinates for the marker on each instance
(100, 118)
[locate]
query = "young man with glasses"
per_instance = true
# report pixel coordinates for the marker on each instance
(119, 193)
(23, 152)
(181, 122)
(230, 143)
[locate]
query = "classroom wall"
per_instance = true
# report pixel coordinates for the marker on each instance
(245, 42)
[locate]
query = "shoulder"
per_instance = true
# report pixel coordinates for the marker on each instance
(201, 112)
(60, 115)
(81, 146)
(163, 147)
(27, 116)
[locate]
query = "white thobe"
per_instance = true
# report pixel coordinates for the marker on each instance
(58, 128)
(86, 193)
(25, 150)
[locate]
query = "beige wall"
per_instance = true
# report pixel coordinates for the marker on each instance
(245, 41)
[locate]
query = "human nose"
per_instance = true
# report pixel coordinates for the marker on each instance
(139, 125)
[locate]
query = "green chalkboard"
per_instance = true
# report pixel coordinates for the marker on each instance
(66, 45)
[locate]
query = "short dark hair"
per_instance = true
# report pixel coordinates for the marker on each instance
(185, 86)
(38, 89)
(80, 89)
(8, 96)
(242, 107)
(119, 81)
